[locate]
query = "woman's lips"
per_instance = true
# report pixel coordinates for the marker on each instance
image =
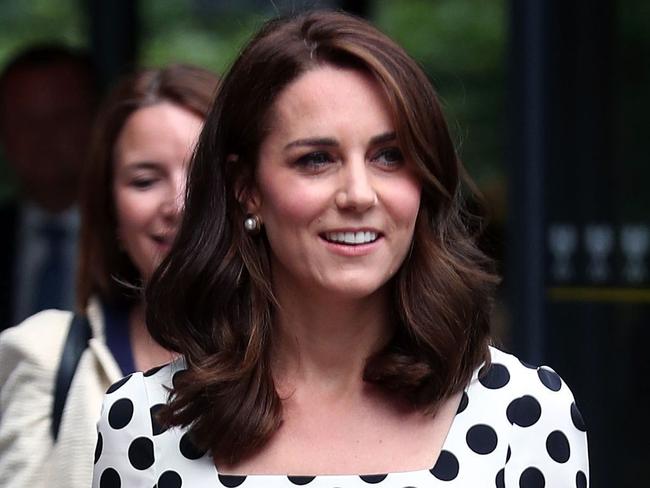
(353, 238)
(351, 245)
(165, 241)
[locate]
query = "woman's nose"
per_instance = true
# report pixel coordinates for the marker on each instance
(356, 190)
(173, 205)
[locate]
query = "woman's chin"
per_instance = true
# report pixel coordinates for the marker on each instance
(347, 289)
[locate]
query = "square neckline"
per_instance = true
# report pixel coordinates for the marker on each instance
(370, 476)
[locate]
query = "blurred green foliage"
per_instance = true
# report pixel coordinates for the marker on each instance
(461, 45)
(27, 22)
(193, 32)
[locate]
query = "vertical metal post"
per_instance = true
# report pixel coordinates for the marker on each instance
(114, 29)
(528, 156)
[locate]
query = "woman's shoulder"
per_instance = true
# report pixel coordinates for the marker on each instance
(522, 387)
(151, 387)
(38, 339)
(527, 417)
(526, 392)
(128, 424)
(46, 324)
(517, 378)
(509, 394)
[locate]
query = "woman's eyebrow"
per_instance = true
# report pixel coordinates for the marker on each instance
(142, 165)
(314, 141)
(328, 141)
(134, 167)
(383, 138)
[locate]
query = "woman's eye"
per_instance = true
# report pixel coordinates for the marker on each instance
(390, 157)
(314, 160)
(142, 183)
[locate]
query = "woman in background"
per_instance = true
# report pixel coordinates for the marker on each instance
(131, 204)
(328, 298)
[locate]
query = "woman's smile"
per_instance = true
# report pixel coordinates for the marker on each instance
(352, 242)
(352, 237)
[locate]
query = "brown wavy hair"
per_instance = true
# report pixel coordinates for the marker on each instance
(211, 298)
(104, 270)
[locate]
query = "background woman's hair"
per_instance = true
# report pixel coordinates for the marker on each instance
(211, 299)
(104, 268)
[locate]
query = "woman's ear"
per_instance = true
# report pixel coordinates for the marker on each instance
(246, 190)
(252, 200)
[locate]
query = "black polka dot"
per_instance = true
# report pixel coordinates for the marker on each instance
(373, 478)
(464, 400)
(301, 480)
(446, 468)
(494, 378)
(230, 480)
(527, 365)
(141, 453)
(581, 480)
(532, 478)
(121, 413)
(156, 427)
(550, 379)
(152, 372)
(110, 479)
(170, 479)
(524, 411)
(118, 384)
(557, 446)
(500, 479)
(99, 446)
(178, 375)
(508, 454)
(576, 417)
(188, 449)
(482, 439)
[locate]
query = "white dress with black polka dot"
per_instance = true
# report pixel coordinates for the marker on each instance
(516, 426)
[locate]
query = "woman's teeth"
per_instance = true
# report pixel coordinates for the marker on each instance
(351, 237)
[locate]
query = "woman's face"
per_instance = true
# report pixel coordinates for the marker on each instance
(337, 196)
(150, 158)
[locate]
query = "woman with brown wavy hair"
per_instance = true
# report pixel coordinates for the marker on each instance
(327, 295)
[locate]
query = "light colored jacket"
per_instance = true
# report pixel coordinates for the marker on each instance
(29, 359)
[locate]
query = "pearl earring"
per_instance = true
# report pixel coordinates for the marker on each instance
(252, 224)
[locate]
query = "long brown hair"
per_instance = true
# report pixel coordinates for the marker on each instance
(212, 300)
(104, 270)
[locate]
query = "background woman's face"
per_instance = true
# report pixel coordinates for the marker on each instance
(150, 169)
(337, 196)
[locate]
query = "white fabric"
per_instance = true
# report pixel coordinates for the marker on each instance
(29, 358)
(516, 427)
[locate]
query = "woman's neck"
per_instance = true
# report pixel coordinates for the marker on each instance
(147, 353)
(325, 341)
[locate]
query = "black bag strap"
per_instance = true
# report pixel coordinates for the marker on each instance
(75, 344)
